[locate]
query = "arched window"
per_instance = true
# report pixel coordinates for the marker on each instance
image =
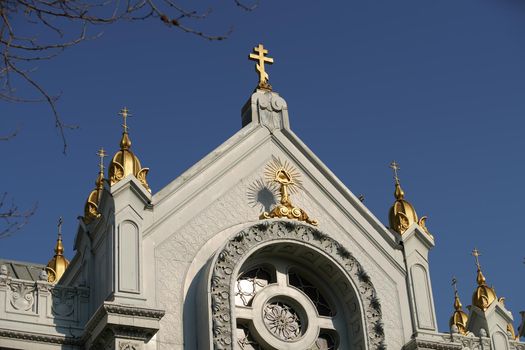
(287, 286)
(293, 306)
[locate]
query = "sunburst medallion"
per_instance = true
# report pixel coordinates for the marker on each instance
(288, 179)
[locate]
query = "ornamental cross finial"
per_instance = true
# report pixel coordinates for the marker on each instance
(59, 225)
(395, 167)
(261, 59)
(124, 113)
(476, 254)
(101, 153)
(454, 284)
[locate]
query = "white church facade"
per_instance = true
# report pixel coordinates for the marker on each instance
(257, 246)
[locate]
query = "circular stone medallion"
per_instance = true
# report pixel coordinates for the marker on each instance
(282, 321)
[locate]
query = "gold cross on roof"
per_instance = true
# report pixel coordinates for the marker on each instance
(454, 284)
(261, 59)
(59, 225)
(101, 153)
(476, 254)
(124, 113)
(395, 166)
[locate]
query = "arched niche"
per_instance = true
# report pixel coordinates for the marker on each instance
(290, 257)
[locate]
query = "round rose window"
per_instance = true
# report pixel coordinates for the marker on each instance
(280, 307)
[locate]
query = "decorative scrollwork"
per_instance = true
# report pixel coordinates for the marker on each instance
(22, 296)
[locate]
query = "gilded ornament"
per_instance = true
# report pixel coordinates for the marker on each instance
(484, 295)
(58, 264)
(260, 57)
(511, 332)
(459, 317)
(125, 162)
(402, 213)
(288, 179)
(93, 201)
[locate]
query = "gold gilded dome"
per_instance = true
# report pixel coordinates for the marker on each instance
(484, 295)
(459, 317)
(93, 201)
(58, 264)
(125, 162)
(402, 214)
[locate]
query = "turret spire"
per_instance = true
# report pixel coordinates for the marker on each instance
(59, 247)
(124, 162)
(459, 317)
(91, 211)
(58, 264)
(484, 295)
(402, 213)
(125, 142)
(398, 193)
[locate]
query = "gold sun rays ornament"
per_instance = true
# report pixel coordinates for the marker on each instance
(288, 179)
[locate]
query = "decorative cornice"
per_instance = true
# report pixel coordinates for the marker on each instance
(418, 344)
(109, 308)
(40, 338)
(134, 311)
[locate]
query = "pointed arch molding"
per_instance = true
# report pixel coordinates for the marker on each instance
(242, 244)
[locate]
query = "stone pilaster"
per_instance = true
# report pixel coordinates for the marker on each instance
(416, 244)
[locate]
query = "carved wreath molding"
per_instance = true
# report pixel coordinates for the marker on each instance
(245, 241)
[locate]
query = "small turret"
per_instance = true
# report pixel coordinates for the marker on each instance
(402, 213)
(484, 295)
(124, 162)
(93, 201)
(58, 263)
(459, 317)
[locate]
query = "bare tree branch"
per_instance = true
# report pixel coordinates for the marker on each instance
(10, 136)
(12, 219)
(55, 19)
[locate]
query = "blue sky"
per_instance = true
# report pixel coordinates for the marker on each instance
(438, 86)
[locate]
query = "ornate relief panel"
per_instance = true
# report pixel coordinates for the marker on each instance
(63, 301)
(286, 315)
(22, 297)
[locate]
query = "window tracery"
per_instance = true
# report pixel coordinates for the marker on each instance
(250, 283)
(298, 281)
(292, 304)
(245, 339)
(280, 246)
(282, 320)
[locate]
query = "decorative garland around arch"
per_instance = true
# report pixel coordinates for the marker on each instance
(235, 250)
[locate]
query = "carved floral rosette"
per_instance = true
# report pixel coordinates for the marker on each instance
(246, 241)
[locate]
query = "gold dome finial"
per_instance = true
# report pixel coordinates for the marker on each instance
(125, 142)
(403, 214)
(57, 265)
(93, 201)
(260, 57)
(459, 317)
(124, 162)
(484, 295)
(288, 179)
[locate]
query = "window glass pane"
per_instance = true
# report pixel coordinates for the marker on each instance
(298, 281)
(245, 339)
(249, 283)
